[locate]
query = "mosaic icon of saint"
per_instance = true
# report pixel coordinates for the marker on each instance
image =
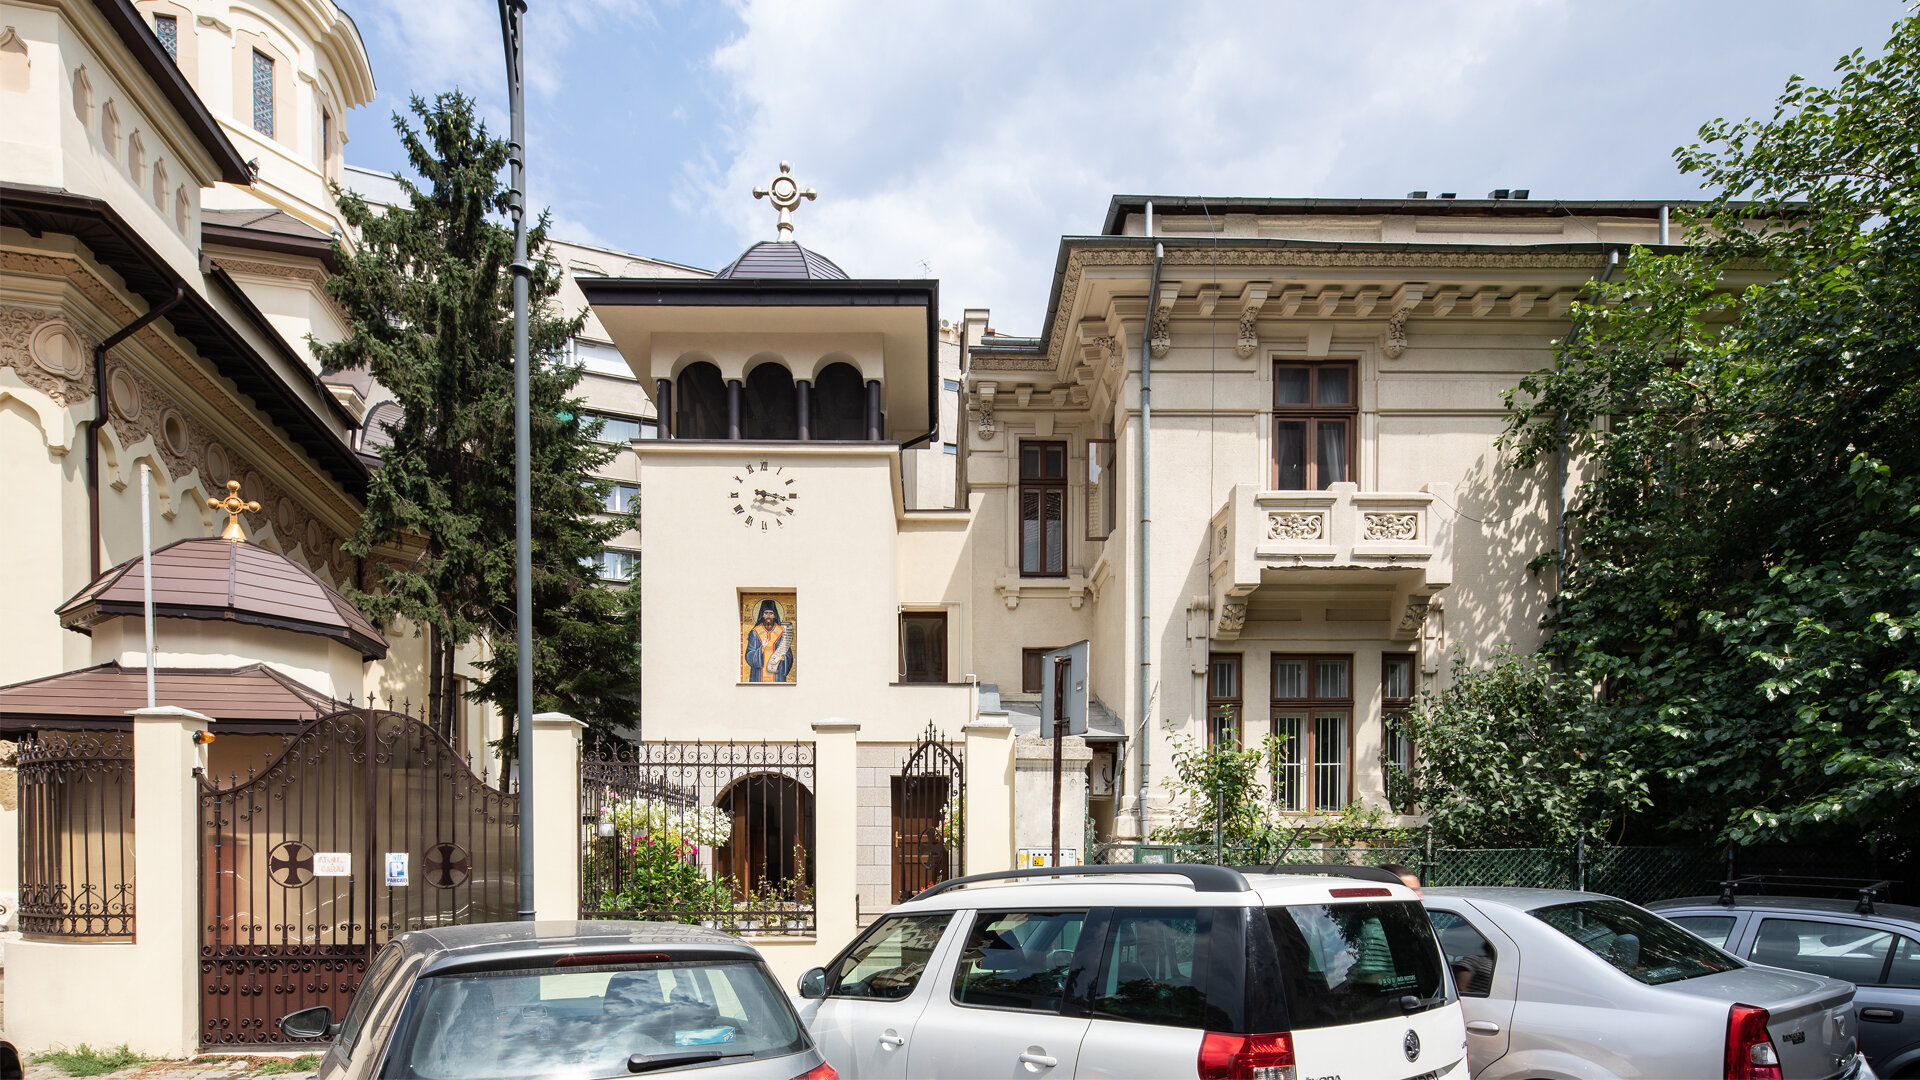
(769, 646)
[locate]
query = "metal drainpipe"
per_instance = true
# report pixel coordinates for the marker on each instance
(1146, 529)
(100, 417)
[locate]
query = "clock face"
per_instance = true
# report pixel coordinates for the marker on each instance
(762, 497)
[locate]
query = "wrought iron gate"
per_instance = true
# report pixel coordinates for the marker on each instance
(297, 891)
(929, 816)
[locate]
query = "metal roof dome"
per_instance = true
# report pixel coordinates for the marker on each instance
(782, 260)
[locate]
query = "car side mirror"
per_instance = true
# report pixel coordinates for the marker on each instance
(314, 1023)
(813, 984)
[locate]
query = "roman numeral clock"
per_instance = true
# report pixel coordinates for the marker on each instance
(764, 498)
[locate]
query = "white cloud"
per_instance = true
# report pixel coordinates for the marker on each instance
(971, 136)
(447, 43)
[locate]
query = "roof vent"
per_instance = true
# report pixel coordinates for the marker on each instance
(1416, 194)
(1521, 193)
(1498, 193)
(1447, 195)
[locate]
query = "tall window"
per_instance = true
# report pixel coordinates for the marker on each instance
(923, 646)
(1101, 490)
(326, 138)
(1314, 417)
(262, 93)
(1313, 719)
(1223, 699)
(619, 565)
(1032, 678)
(1396, 700)
(614, 429)
(623, 499)
(167, 29)
(1043, 509)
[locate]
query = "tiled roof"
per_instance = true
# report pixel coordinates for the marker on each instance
(211, 578)
(252, 698)
(782, 261)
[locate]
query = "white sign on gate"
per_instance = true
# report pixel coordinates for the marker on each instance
(1040, 857)
(397, 868)
(333, 864)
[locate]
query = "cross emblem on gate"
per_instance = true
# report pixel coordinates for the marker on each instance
(447, 865)
(290, 864)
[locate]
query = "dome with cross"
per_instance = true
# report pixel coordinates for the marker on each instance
(782, 259)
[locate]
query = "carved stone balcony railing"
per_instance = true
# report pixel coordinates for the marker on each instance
(1266, 538)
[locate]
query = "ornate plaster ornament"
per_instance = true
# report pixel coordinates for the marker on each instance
(785, 195)
(983, 404)
(1391, 526)
(1233, 616)
(1287, 525)
(232, 505)
(1160, 338)
(1399, 307)
(1416, 613)
(1250, 304)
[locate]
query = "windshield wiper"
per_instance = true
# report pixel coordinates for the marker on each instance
(640, 1063)
(1414, 1002)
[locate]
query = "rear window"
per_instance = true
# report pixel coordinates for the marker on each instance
(587, 1022)
(1638, 943)
(1352, 963)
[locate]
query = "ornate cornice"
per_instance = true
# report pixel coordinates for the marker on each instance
(311, 275)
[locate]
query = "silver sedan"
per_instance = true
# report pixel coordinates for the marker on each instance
(1561, 985)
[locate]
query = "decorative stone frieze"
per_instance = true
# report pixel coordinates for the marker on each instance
(1416, 613)
(1291, 525)
(1390, 526)
(49, 353)
(1233, 616)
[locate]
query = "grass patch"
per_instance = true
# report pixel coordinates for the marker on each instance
(84, 1060)
(287, 1065)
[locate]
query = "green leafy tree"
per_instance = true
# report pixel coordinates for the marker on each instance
(428, 289)
(1508, 756)
(1745, 587)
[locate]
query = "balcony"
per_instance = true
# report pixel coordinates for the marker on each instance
(1392, 549)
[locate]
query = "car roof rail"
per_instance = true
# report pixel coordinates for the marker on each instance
(1867, 889)
(1364, 873)
(1204, 878)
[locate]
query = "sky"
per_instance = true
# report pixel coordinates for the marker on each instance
(961, 140)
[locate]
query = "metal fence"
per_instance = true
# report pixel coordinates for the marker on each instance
(717, 834)
(1639, 874)
(76, 834)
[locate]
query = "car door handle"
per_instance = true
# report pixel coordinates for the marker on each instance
(891, 1039)
(1041, 1060)
(1881, 1016)
(1483, 1027)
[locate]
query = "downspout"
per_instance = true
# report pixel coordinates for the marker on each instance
(1560, 455)
(1145, 727)
(100, 418)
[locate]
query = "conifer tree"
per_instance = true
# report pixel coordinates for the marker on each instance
(428, 290)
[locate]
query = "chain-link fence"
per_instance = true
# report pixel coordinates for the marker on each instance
(1639, 874)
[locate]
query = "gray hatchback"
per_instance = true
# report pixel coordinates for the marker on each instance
(559, 999)
(1874, 946)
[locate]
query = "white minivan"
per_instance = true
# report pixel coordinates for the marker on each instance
(1283, 973)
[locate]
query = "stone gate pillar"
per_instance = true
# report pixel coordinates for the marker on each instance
(556, 816)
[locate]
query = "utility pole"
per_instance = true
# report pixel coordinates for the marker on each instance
(512, 12)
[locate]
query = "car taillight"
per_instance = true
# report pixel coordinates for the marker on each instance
(1750, 1052)
(1246, 1057)
(822, 1071)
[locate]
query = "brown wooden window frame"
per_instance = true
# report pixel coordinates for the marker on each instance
(1393, 718)
(1041, 486)
(1032, 661)
(1107, 505)
(1314, 705)
(1312, 415)
(1219, 733)
(906, 617)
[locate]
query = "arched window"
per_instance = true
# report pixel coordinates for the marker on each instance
(160, 184)
(839, 404)
(769, 849)
(702, 403)
(110, 129)
(82, 96)
(136, 156)
(770, 409)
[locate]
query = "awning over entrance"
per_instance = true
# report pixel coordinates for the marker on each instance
(242, 700)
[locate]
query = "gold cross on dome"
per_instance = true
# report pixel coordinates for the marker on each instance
(785, 194)
(233, 504)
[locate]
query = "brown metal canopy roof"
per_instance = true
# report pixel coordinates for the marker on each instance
(242, 700)
(211, 578)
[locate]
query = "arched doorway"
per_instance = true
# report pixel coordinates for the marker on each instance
(770, 408)
(769, 852)
(839, 404)
(702, 406)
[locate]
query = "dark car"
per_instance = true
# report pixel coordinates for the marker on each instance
(1874, 946)
(560, 999)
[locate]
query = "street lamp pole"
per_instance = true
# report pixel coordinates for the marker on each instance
(512, 12)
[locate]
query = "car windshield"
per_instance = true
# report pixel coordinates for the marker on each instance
(587, 1022)
(1639, 943)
